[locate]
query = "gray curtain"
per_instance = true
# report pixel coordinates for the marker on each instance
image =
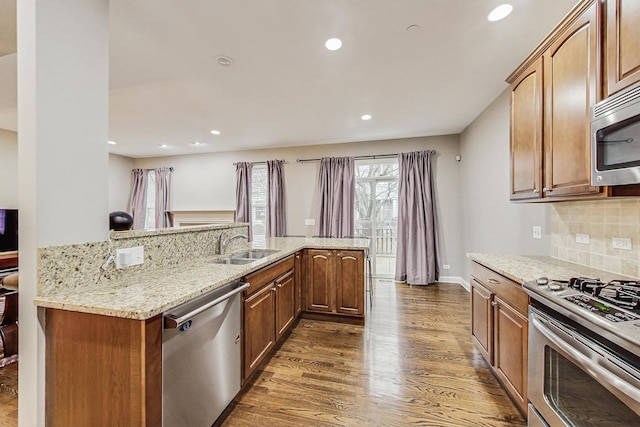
(243, 193)
(137, 202)
(417, 257)
(336, 191)
(276, 217)
(163, 197)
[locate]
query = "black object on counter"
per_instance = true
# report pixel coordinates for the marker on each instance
(120, 221)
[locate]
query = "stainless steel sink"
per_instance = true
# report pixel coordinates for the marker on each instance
(236, 261)
(254, 254)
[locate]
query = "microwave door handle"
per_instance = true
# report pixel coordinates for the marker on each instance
(628, 393)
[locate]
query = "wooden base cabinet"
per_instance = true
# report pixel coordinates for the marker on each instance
(499, 329)
(269, 312)
(102, 370)
(335, 282)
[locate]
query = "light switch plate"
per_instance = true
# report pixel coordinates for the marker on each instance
(622, 243)
(584, 239)
(537, 232)
(446, 267)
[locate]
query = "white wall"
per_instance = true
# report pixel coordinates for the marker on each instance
(490, 222)
(119, 182)
(8, 169)
(207, 181)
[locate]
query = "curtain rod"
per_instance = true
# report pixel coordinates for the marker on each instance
(152, 169)
(374, 156)
(262, 163)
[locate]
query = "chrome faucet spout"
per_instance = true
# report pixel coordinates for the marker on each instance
(224, 243)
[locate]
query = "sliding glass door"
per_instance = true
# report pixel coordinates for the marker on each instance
(376, 211)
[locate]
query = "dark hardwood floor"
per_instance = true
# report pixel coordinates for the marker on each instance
(412, 364)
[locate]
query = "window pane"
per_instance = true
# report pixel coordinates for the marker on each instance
(259, 203)
(150, 217)
(376, 210)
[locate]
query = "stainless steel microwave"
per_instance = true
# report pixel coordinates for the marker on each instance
(615, 139)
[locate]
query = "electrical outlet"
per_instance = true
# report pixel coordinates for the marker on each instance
(310, 221)
(537, 232)
(584, 239)
(446, 267)
(622, 243)
(130, 256)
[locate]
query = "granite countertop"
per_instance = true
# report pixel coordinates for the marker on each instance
(148, 293)
(523, 268)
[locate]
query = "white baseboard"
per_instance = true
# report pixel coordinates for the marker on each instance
(455, 279)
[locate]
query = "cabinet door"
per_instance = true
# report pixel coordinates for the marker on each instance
(621, 47)
(571, 87)
(349, 282)
(299, 275)
(482, 320)
(285, 303)
(320, 274)
(510, 357)
(259, 328)
(526, 134)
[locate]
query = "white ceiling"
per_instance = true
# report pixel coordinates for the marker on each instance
(284, 88)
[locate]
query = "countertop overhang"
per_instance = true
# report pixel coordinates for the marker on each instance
(145, 294)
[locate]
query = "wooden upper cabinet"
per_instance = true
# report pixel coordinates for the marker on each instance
(526, 133)
(571, 87)
(622, 39)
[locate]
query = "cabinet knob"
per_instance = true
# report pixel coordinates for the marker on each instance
(493, 303)
(546, 190)
(536, 191)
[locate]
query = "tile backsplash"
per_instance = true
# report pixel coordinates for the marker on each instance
(602, 220)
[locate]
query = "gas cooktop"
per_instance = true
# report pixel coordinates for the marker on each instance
(610, 309)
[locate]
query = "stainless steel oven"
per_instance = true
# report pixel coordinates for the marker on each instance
(615, 139)
(574, 380)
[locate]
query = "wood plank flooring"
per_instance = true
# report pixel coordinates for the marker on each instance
(412, 364)
(9, 395)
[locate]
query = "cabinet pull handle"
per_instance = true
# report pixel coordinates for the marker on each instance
(493, 281)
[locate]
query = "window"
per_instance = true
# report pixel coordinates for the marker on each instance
(150, 208)
(376, 211)
(259, 203)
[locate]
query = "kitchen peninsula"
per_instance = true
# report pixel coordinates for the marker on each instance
(104, 327)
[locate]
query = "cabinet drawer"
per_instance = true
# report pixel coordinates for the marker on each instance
(268, 274)
(507, 289)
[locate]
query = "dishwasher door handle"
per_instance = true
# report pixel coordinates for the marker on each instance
(174, 322)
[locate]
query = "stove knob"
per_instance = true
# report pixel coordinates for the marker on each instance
(554, 286)
(541, 281)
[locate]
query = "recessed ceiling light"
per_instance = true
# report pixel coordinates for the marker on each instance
(366, 117)
(500, 12)
(224, 61)
(111, 142)
(196, 143)
(215, 132)
(412, 27)
(333, 44)
(163, 146)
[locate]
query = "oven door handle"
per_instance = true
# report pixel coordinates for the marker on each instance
(622, 383)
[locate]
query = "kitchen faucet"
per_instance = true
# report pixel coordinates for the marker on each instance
(224, 243)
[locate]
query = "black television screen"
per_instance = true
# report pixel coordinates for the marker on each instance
(8, 230)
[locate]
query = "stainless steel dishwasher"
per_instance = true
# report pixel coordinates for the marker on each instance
(201, 358)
